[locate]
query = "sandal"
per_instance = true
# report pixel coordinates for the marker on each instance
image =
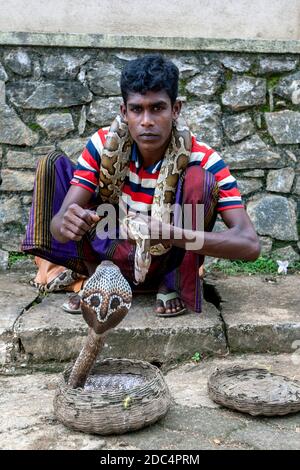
(164, 298)
(72, 305)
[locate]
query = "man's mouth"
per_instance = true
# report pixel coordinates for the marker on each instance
(149, 135)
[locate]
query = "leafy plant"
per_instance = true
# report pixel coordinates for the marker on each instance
(272, 81)
(15, 256)
(196, 357)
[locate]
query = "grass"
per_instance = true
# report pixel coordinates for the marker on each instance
(262, 265)
(15, 256)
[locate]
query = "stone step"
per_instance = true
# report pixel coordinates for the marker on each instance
(15, 296)
(46, 333)
(258, 314)
(261, 313)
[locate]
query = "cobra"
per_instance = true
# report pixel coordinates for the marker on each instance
(106, 300)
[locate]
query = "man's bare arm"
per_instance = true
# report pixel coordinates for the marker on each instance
(73, 220)
(238, 242)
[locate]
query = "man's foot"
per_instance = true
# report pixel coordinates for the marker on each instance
(168, 303)
(59, 283)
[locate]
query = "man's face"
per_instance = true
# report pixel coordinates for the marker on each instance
(149, 118)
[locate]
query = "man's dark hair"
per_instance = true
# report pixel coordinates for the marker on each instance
(151, 72)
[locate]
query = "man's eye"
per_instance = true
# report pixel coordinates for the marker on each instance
(157, 108)
(136, 110)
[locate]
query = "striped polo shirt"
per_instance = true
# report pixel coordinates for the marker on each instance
(139, 185)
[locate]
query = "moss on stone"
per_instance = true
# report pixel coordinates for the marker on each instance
(228, 75)
(272, 81)
(34, 126)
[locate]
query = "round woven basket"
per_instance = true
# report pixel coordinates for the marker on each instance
(255, 391)
(132, 394)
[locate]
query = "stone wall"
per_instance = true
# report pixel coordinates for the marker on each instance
(245, 105)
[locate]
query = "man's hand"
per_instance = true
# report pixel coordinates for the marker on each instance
(73, 220)
(76, 221)
(73, 224)
(148, 227)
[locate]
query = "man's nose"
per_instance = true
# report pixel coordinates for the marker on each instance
(147, 119)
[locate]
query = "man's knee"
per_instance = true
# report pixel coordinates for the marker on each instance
(51, 158)
(52, 164)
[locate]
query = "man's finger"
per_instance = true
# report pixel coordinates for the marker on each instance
(93, 214)
(89, 217)
(73, 222)
(70, 235)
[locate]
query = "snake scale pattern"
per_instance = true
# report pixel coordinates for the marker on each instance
(114, 168)
(105, 301)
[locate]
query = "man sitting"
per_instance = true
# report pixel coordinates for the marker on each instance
(62, 225)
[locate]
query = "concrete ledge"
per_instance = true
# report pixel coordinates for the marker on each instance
(14, 298)
(107, 41)
(145, 336)
(261, 314)
(46, 333)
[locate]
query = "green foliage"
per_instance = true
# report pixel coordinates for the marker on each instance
(181, 86)
(265, 108)
(296, 266)
(34, 126)
(196, 357)
(272, 81)
(15, 256)
(228, 75)
(260, 266)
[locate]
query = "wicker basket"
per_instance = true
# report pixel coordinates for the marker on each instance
(255, 391)
(114, 410)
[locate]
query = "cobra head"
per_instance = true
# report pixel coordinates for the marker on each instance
(106, 298)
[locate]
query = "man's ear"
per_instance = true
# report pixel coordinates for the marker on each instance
(177, 108)
(123, 111)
